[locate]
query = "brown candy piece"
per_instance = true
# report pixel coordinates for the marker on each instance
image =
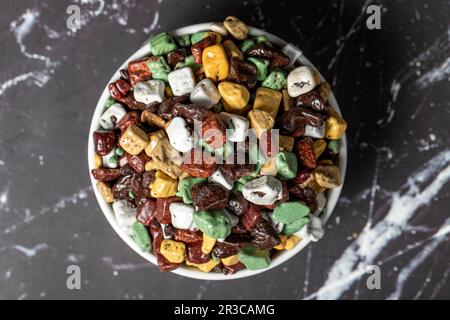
(251, 217)
(162, 209)
(292, 123)
(138, 71)
(225, 250)
(165, 109)
(305, 195)
(313, 100)
(242, 72)
(277, 58)
(157, 236)
(233, 268)
(206, 196)
(104, 174)
(188, 236)
(303, 175)
(138, 162)
(237, 204)
(236, 171)
(194, 253)
(265, 236)
(213, 131)
(203, 169)
(131, 118)
(305, 152)
(190, 112)
(104, 142)
(176, 56)
(146, 212)
(238, 239)
(197, 48)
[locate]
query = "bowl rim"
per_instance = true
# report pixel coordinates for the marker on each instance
(190, 272)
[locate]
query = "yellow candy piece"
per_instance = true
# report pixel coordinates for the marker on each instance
(312, 184)
(335, 126)
(168, 92)
(291, 242)
(133, 140)
(174, 251)
(269, 168)
(205, 267)
(236, 27)
(152, 119)
(287, 101)
(268, 100)
(260, 121)
(164, 157)
(328, 176)
(106, 191)
(286, 143)
(208, 243)
(229, 261)
(215, 62)
(282, 243)
(325, 91)
(232, 50)
(163, 186)
(319, 147)
(98, 161)
(235, 95)
(217, 36)
(326, 162)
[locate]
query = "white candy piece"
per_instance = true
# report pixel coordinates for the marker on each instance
(292, 52)
(315, 228)
(180, 137)
(321, 201)
(219, 178)
(314, 132)
(149, 91)
(110, 159)
(182, 215)
(301, 80)
(182, 81)
(263, 191)
(269, 217)
(238, 124)
(205, 94)
(112, 116)
(219, 28)
(125, 216)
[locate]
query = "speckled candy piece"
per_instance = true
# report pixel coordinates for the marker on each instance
(287, 165)
(215, 223)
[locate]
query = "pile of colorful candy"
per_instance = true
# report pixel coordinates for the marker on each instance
(174, 127)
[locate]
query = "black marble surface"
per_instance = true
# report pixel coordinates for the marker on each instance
(393, 88)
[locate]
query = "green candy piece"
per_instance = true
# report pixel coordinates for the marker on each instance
(141, 236)
(215, 223)
(276, 80)
(261, 66)
(198, 36)
(185, 188)
(254, 259)
(261, 39)
(159, 68)
(247, 44)
(119, 151)
(288, 212)
(184, 40)
(109, 102)
(188, 62)
(287, 164)
(131, 194)
(334, 146)
(217, 108)
(161, 44)
(293, 227)
(113, 160)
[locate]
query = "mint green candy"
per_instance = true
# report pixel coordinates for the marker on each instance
(113, 160)
(198, 36)
(288, 212)
(276, 80)
(119, 151)
(159, 68)
(188, 62)
(261, 67)
(261, 39)
(334, 146)
(109, 102)
(287, 164)
(184, 40)
(247, 44)
(185, 187)
(141, 236)
(254, 259)
(214, 223)
(161, 44)
(297, 225)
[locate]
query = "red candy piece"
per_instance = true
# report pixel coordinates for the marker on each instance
(203, 169)
(162, 209)
(138, 71)
(213, 131)
(251, 217)
(146, 212)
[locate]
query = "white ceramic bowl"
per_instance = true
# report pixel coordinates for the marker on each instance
(279, 258)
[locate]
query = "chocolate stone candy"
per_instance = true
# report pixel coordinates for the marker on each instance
(207, 196)
(237, 204)
(313, 100)
(104, 142)
(242, 72)
(265, 236)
